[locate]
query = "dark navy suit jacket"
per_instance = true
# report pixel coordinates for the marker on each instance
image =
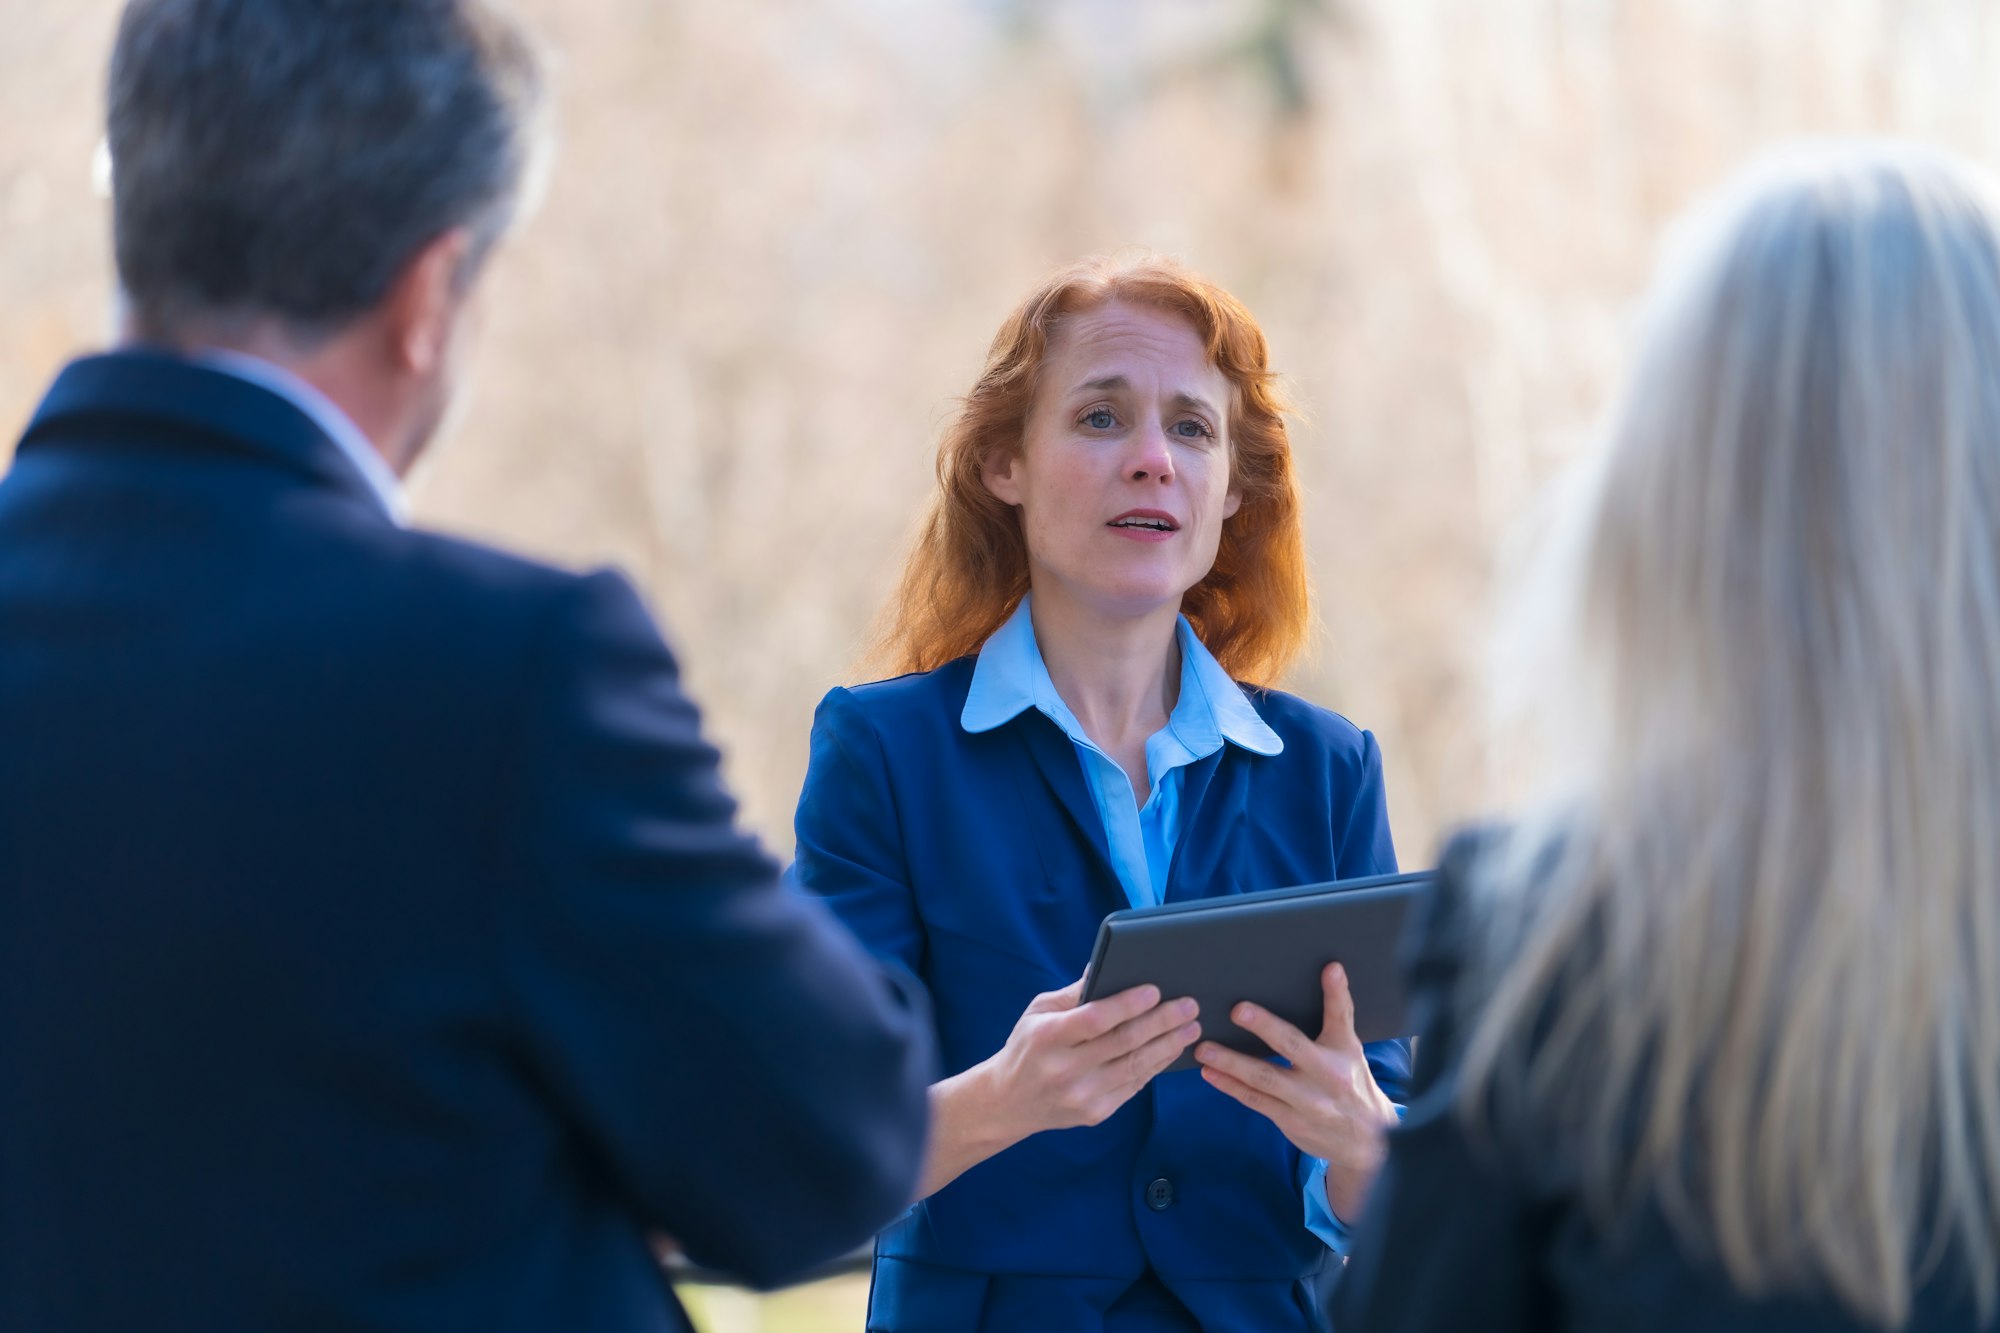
(978, 861)
(377, 951)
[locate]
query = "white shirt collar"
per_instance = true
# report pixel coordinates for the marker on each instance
(333, 423)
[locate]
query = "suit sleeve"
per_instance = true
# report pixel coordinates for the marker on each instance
(1449, 1240)
(747, 1077)
(1364, 848)
(850, 837)
(1367, 849)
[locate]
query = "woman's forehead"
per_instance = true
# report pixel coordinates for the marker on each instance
(1118, 337)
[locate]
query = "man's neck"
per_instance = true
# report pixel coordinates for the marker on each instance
(334, 368)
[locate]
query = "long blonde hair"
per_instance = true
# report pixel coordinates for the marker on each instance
(1742, 953)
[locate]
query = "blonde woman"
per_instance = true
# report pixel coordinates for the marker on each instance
(1713, 1031)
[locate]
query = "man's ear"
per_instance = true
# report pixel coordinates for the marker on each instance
(423, 301)
(998, 474)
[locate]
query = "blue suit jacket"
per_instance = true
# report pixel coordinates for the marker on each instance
(979, 862)
(376, 947)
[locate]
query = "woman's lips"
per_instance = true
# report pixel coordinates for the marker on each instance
(1145, 525)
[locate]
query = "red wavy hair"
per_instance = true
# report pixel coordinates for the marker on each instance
(969, 567)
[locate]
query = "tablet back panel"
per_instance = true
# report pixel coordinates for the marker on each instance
(1268, 948)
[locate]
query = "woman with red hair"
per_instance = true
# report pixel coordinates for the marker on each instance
(1109, 581)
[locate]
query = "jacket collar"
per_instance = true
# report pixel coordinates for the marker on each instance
(333, 423)
(155, 390)
(1010, 678)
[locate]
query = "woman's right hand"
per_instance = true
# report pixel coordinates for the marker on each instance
(1066, 1063)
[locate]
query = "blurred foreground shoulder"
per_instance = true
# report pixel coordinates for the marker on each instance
(1452, 1239)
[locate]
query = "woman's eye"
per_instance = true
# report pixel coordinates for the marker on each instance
(1192, 429)
(1099, 418)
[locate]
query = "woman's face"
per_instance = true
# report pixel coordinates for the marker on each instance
(1123, 474)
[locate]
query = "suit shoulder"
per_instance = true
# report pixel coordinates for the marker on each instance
(1445, 927)
(901, 702)
(448, 564)
(447, 571)
(466, 608)
(1313, 729)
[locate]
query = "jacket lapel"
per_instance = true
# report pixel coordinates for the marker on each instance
(1214, 794)
(1053, 757)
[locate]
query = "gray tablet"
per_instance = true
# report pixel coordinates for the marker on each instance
(1268, 948)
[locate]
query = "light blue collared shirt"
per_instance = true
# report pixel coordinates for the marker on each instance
(335, 424)
(1010, 678)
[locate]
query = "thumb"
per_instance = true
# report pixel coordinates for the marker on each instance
(1057, 1001)
(1337, 1022)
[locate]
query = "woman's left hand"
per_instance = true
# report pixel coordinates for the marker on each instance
(1327, 1103)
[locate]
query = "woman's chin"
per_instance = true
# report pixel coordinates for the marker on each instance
(1130, 599)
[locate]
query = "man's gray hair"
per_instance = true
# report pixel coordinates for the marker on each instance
(283, 160)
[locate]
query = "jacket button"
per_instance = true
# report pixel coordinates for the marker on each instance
(1160, 1195)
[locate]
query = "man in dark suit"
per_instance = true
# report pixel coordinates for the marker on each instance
(377, 950)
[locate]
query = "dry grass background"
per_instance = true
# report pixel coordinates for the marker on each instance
(780, 233)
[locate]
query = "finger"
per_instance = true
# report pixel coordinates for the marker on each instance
(1276, 1033)
(1129, 1036)
(1107, 1087)
(1281, 1086)
(1277, 1112)
(1139, 1066)
(1091, 1021)
(1337, 1025)
(1056, 1001)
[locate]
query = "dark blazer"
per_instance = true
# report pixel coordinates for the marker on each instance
(377, 951)
(1455, 1238)
(978, 861)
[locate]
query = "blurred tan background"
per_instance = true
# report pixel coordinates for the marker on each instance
(780, 233)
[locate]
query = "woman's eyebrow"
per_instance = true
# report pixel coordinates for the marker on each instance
(1181, 399)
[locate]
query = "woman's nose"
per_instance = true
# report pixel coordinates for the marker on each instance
(1150, 459)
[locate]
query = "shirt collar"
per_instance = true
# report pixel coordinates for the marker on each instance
(335, 424)
(1210, 699)
(1010, 677)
